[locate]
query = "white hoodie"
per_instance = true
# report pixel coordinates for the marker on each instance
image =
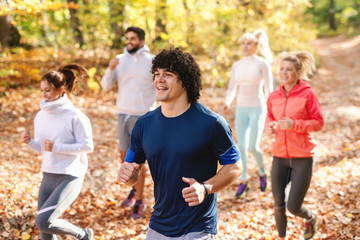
(70, 130)
(136, 94)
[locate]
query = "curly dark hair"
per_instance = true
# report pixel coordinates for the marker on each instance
(184, 65)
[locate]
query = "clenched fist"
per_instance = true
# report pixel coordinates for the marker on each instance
(286, 123)
(113, 63)
(126, 171)
(48, 145)
(26, 136)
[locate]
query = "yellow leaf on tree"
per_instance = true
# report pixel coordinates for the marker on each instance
(92, 72)
(251, 12)
(92, 84)
(34, 72)
(214, 72)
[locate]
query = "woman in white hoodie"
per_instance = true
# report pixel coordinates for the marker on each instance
(251, 78)
(63, 136)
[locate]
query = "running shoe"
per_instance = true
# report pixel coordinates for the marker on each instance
(89, 234)
(139, 209)
(310, 228)
(130, 200)
(242, 188)
(263, 183)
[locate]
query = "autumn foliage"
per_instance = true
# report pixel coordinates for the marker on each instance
(333, 193)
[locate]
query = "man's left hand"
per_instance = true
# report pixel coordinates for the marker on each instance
(195, 193)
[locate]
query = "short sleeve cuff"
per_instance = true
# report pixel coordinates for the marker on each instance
(130, 156)
(232, 155)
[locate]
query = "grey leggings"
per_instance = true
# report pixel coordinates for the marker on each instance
(57, 192)
(298, 171)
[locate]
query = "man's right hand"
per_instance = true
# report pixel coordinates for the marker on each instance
(113, 63)
(126, 171)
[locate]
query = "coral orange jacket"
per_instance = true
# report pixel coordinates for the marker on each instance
(303, 107)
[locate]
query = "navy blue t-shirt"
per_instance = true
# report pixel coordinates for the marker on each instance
(189, 145)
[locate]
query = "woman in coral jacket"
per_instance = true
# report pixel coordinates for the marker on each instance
(293, 112)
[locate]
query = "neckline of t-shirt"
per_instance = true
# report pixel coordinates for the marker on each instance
(179, 116)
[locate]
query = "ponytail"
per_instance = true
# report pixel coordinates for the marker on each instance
(260, 37)
(263, 44)
(308, 64)
(65, 77)
(70, 78)
(302, 60)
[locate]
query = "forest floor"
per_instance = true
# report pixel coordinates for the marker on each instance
(333, 194)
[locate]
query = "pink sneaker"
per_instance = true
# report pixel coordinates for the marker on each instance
(130, 200)
(139, 209)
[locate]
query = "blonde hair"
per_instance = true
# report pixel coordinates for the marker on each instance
(302, 61)
(261, 39)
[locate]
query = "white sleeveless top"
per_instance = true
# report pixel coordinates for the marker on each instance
(252, 75)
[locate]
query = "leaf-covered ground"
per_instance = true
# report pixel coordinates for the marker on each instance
(334, 192)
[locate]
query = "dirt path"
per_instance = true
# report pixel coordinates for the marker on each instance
(333, 193)
(337, 83)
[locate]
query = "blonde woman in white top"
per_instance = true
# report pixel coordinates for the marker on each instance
(63, 137)
(252, 81)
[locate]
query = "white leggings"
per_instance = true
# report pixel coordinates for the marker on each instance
(57, 192)
(249, 126)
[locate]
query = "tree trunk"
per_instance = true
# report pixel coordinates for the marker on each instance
(9, 35)
(160, 20)
(45, 31)
(75, 24)
(332, 15)
(190, 24)
(117, 16)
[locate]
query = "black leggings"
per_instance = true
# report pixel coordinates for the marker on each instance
(298, 171)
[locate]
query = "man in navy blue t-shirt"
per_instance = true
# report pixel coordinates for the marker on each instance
(183, 141)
